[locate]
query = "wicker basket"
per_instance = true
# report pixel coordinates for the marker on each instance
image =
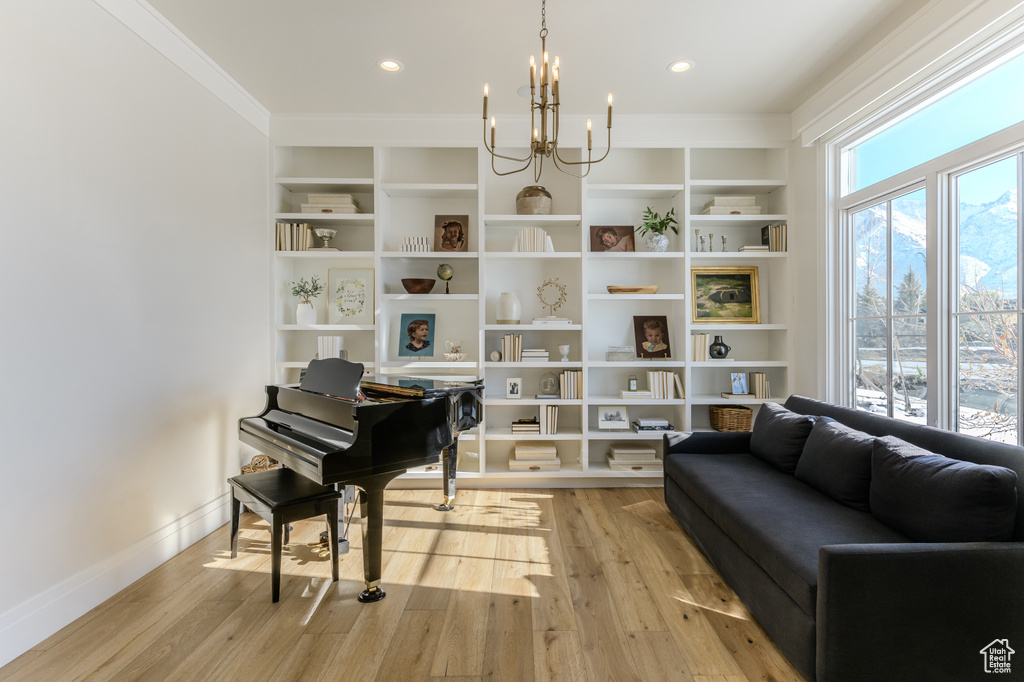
(730, 417)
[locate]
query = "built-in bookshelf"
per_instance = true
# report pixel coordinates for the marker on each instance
(400, 189)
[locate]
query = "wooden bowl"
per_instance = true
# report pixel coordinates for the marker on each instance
(415, 285)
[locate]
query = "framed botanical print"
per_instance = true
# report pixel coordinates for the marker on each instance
(350, 296)
(725, 295)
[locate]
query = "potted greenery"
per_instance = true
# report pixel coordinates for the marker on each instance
(305, 313)
(654, 226)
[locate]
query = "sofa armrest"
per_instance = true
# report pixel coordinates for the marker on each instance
(917, 610)
(708, 442)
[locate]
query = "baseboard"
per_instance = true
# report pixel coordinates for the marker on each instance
(32, 621)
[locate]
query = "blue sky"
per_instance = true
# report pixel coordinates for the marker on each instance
(986, 105)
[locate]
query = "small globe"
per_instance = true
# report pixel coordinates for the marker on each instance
(445, 271)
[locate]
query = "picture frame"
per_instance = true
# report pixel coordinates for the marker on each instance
(724, 295)
(513, 388)
(612, 238)
(739, 383)
(451, 233)
(413, 340)
(652, 338)
(350, 296)
(612, 418)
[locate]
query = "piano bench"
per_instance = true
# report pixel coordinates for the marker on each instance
(280, 496)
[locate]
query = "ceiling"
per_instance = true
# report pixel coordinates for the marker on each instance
(319, 56)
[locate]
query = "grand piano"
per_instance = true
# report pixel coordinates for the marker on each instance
(337, 429)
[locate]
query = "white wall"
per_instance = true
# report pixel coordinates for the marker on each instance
(808, 283)
(133, 295)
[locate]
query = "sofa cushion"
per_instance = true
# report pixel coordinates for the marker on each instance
(933, 498)
(779, 521)
(778, 436)
(837, 461)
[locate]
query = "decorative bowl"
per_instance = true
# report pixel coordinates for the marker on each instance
(644, 289)
(418, 285)
(454, 357)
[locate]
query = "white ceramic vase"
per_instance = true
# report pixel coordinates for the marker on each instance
(509, 309)
(656, 242)
(305, 313)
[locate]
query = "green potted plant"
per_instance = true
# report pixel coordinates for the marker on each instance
(655, 226)
(305, 313)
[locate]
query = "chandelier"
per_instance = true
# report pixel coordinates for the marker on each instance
(544, 142)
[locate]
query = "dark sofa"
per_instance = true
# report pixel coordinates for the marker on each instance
(863, 557)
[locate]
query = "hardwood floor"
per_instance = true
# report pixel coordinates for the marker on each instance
(519, 585)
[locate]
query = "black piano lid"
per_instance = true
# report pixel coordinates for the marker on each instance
(418, 387)
(334, 377)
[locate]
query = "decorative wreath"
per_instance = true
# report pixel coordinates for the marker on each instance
(558, 287)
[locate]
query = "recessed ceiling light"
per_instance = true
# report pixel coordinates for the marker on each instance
(390, 65)
(680, 66)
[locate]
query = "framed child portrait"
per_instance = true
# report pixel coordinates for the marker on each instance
(513, 388)
(416, 335)
(651, 332)
(451, 233)
(611, 238)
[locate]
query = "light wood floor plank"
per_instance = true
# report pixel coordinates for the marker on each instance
(577, 585)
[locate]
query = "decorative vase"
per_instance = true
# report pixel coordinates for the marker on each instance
(509, 308)
(718, 350)
(533, 200)
(305, 313)
(656, 242)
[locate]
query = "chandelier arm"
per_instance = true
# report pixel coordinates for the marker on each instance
(589, 161)
(517, 170)
(502, 156)
(555, 159)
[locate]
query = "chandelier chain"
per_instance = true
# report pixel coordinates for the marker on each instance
(543, 19)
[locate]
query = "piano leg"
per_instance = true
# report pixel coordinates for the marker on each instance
(371, 509)
(450, 459)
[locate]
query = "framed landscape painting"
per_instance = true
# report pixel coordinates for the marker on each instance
(350, 296)
(725, 295)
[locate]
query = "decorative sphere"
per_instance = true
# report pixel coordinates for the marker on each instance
(445, 272)
(549, 384)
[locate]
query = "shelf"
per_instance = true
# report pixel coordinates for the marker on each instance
(712, 221)
(328, 219)
(326, 185)
(532, 327)
(497, 220)
(739, 363)
(603, 255)
(616, 400)
(326, 327)
(429, 190)
(552, 364)
(444, 255)
(427, 364)
(633, 191)
(304, 364)
(506, 434)
(323, 254)
(532, 401)
(431, 297)
(732, 187)
(719, 400)
(627, 435)
(696, 328)
(530, 255)
(734, 255)
(642, 364)
(635, 297)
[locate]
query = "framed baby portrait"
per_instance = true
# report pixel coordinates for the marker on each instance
(416, 335)
(611, 238)
(451, 233)
(651, 333)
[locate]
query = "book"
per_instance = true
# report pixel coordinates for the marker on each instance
(331, 199)
(534, 451)
(636, 395)
(731, 210)
(650, 421)
(534, 465)
(738, 396)
(754, 247)
(327, 208)
(647, 465)
(551, 320)
(738, 200)
(651, 429)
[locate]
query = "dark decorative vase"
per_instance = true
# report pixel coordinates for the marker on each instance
(718, 350)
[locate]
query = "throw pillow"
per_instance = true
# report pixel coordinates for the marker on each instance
(778, 436)
(932, 498)
(837, 461)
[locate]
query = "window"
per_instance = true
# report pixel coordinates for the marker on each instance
(888, 324)
(987, 301)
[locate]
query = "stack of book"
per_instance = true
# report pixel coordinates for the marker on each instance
(534, 456)
(651, 425)
(548, 419)
(570, 384)
(533, 239)
(633, 457)
(534, 355)
(754, 247)
(294, 236)
(637, 395)
(330, 347)
(512, 348)
(526, 425)
(736, 205)
(551, 319)
(758, 383)
(699, 347)
(330, 203)
(775, 237)
(415, 244)
(664, 385)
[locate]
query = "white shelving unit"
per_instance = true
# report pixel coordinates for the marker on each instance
(401, 188)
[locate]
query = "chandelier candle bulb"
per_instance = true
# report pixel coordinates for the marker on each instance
(533, 74)
(609, 110)
(493, 126)
(485, 101)
(590, 142)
